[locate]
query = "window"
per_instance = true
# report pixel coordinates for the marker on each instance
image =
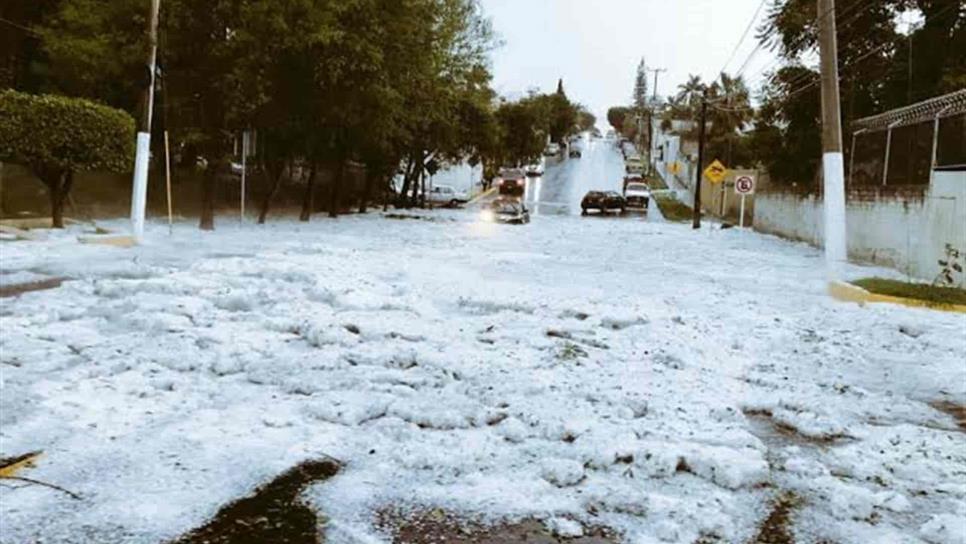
(951, 146)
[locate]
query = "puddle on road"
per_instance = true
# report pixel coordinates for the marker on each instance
(776, 435)
(273, 513)
(434, 526)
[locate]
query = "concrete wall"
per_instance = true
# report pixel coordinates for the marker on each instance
(905, 228)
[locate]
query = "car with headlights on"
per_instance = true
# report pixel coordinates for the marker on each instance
(603, 201)
(511, 181)
(506, 210)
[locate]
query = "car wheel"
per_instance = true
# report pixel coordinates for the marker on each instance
(454, 203)
(583, 211)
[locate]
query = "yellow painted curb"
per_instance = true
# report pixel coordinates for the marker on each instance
(108, 240)
(853, 293)
(18, 463)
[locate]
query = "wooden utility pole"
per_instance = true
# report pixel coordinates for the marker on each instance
(656, 72)
(139, 194)
(832, 162)
(698, 170)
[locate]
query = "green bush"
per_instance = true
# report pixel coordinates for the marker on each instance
(56, 136)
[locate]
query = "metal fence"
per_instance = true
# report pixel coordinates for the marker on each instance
(905, 146)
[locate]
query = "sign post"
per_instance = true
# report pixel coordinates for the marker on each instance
(744, 186)
(244, 172)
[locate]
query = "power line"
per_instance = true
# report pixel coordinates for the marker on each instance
(21, 27)
(852, 62)
(806, 36)
(842, 25)
(744, 35)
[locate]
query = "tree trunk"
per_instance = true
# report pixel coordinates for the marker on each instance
(58, 184)
(308, 200)
(418, 174)
(208, 196)
(336, 188)
(422, 194)
(407, 178)
(274, 174)
(371, 176)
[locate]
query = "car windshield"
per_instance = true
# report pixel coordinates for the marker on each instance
(636, 187)
(506, 207)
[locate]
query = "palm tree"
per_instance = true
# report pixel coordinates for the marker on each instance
(689, 93)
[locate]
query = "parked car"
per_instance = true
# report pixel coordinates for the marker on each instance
(603, 201)
(511, 181)
(637, 195)
(631, 178)
(445, 195)
(634, 166)
(574, 152)
(552, 150)
(535, 169)
(507, 210)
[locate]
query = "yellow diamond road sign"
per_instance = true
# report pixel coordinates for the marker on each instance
(716, 172)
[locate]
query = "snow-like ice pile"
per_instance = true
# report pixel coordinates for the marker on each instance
(665, 383)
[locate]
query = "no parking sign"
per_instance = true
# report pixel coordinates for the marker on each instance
(745, 185)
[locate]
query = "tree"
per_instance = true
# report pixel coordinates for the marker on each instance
(57, 136)
(616, 116)
(876, 70)
(639, 96)
(585, 120)
(522, 139)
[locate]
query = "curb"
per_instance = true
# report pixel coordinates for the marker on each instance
(846, 292)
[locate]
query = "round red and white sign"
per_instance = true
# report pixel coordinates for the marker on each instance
(745, 185)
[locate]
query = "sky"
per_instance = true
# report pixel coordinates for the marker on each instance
(595, 45)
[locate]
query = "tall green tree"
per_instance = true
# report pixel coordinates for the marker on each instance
(639, 96)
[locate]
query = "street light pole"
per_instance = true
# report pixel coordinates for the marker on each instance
(656, 71)
(698, 172)
(139, 191)
(832, 161)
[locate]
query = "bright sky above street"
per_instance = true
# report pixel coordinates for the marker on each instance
(595, 45)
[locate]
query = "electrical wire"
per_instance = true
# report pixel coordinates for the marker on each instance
(21, 27)
(744, 35)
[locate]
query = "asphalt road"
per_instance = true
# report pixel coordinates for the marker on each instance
(565, 180)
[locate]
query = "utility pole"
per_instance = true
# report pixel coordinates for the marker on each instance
(656, 72)
(139, 192)
(698, 172)
(832, 162)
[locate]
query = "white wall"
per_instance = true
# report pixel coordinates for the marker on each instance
(898, 231)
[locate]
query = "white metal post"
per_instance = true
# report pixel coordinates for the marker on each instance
(888, 151)
(741, 221)
(934, 158)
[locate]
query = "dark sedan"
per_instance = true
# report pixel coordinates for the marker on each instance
(603, 201)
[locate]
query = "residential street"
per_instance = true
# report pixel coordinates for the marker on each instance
(667, 384)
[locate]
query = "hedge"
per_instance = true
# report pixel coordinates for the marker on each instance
(56, 136)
